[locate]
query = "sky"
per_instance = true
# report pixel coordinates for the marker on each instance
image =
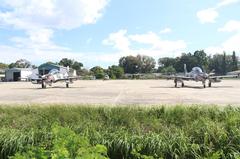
(99, 32)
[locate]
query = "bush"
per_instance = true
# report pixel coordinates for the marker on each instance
(126, 132)
(66, 145)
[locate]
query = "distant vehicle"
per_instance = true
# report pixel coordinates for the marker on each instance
(53, 76)
(197, 75)
(106, 77)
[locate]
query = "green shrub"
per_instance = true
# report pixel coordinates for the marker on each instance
(126, 132)
(65, 145)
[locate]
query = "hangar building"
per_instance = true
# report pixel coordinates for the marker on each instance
(46, 67)
(2, 74)
(18, 74)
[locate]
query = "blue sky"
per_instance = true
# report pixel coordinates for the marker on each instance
(99, 32)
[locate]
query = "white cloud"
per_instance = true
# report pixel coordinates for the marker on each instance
(89, 40)
(207, 16)
(230, 26)
(230, 44)
(148, 38)
(165, 31)
(226, 2)
(118, 40)
(11, 54)
(210, 15)
(39, 19)
(157, 47)
(57, 14)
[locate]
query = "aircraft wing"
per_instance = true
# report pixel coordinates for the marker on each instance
(226, 76)
(68, 78)
(178, 77)
(75, 78)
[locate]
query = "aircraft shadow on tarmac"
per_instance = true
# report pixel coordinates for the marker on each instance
(194, 87)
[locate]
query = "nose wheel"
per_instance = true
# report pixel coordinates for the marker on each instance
(210, 84)
(44, 85)
(204, 84)
(182, 84)
(67, 83)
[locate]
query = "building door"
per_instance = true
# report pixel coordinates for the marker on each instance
(16, 76)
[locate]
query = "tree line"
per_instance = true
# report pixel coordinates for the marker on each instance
(220, 63)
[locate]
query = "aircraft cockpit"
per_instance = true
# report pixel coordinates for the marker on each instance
(53, 71)
(197, 70)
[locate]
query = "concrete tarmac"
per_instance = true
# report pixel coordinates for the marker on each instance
(116, 92)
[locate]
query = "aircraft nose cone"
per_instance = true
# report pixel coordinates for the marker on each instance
(205, 75)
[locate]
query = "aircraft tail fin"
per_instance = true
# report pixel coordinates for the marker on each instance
(185, 69)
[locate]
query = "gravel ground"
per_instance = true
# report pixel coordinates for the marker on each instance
(116, 92)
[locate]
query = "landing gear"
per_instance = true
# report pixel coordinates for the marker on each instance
(175, 81)
(182, 84)
(44, 85)
(67, 83)
(204, 84)
(210, 84)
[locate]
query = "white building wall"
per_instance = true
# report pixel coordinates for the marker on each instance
(25, 74)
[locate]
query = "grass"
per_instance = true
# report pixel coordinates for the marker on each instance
(161, 132)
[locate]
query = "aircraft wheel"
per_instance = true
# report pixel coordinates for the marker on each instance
(210, 84)
(67, 85)
(182, 84)
(44, 84)
(204, 86)
(175, 81)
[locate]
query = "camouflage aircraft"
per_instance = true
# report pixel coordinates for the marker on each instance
(53, 76)
(197, 75)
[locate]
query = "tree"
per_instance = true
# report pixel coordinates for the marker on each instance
(168, 70)
(3, 65)
(66, 62)
(98, 72)
(166, 62)
(115, 72)
(202, 58)
(221, 63)
(77, 66)
(130, 64)
(22, 63)
(188, 59)
(85, 72)
(72, 64)
(147, 63)
(234, 62)
(224, 70)
(216, 63)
